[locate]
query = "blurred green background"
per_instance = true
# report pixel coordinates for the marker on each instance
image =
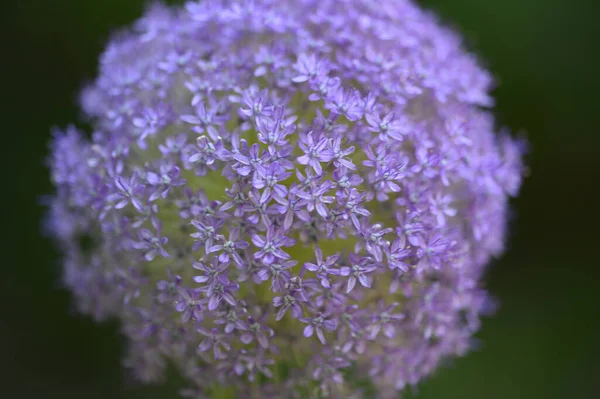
(543, 342)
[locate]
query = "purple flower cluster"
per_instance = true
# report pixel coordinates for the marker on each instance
(285, 197)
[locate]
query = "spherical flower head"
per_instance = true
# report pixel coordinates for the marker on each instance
(285, 198)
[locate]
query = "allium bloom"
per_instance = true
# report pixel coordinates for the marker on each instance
(285, 198)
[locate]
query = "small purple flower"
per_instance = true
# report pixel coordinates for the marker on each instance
(428, 162)
(190, 305)
(339, 155)
(315, 198)
(208, 152)
(292, 207)
(256, 103)
(285, 302)
(215, 340)
(332, 299)
(386, 320)
(270, 246)
(324, 86)
(359, 269)
(253, 163)
(374, 242)
(195, 204)
(324, 268)
(152, 243)
(257, 330)
(258, 211)
(207, 232)
(353, 208)
(432, 251)
(386, 126)
(318, 324)
(410, 226)
(269, 59)
(206, 119)
(308, 67)
(270, 181)
(329, 369)
(129, 282)
(127, 191)
(168, 288)
(442, 208)
(150, 121)
(177, 59)
(222, 289)
(230, 247)
(388, 176)
(315, 152)
(398, 254)
(345, 181)
(168, 177)
(238, 198)
(275, 129)
(233, 319)
(346, 102)
(210, 272)
(279, 274)
(357, 342)
(173, 145)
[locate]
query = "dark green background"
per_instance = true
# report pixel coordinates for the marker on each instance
(543, 343)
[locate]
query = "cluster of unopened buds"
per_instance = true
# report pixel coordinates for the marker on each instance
(288, 198)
